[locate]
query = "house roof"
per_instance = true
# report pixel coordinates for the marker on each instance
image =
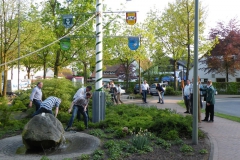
(113, 68)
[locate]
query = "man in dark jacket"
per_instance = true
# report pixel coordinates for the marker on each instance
(210, 101)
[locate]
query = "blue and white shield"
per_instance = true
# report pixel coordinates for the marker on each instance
(133, 43)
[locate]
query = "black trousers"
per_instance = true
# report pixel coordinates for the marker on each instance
(209, 111)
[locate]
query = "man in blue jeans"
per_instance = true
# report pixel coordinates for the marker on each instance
(79, 104)
(144, 90)
(36, 96)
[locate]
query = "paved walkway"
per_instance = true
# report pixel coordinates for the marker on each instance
(224, 134)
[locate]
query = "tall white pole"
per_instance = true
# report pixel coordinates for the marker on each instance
(195, 77)
(18, 40)
(98, 96)
(99, 39)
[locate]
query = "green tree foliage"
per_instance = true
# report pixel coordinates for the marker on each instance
(224, 58)
(9, 33)
(52, 17)
(175, 31)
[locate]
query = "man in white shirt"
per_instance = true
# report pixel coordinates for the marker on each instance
(36, 96)
(119, 94)
(187, 93)
(144, 90)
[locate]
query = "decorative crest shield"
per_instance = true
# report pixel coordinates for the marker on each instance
(68, 20)
(131, 18)
(65, 43)
(133, 43)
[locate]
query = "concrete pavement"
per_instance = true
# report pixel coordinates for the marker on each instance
(223, 134)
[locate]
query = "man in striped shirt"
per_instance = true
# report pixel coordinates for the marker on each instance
(47, 105)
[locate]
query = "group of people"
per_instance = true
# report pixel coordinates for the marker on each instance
(79, 104)
(145, 89)
(209, 97)
(115, 91)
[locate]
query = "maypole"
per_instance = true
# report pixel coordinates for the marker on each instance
(99, 38)
(99, 96)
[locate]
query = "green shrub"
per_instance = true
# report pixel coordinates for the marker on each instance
(203, 151)
(172, 135)
(178, 142)
(170, 91)
(6, 111)
(64, 117)
(98, 155)
(119, 133)
(186, 148)
(166, 121)
(164, 144)
(61, 88)
(84, 157)
(98, 133)
(45, 158)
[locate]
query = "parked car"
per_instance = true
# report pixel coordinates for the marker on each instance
(153, 90)
(136, 89)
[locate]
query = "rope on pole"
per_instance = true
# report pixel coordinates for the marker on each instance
(99, 39)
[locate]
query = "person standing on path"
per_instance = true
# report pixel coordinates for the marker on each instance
(113, 92)
(210, 101)
(47, 105)
(186, 93)
(145, 90)
(160, 93)
(36, 96)
(119, 94)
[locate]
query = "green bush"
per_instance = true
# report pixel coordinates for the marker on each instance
(119, 133)
(64, 117)
(7, 110)
(186, 148)
(61, 88)
(171, 91)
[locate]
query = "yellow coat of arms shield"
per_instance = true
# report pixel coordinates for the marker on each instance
(131, 18)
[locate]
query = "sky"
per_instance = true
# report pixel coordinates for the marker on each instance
(217, 10)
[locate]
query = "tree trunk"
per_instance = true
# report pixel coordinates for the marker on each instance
(5, 68)
(56, 66)
(44, 69)
(175, 78)
(85, 73)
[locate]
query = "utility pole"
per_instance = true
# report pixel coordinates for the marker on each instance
(195, 77)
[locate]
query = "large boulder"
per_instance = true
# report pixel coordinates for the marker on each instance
(43, 131)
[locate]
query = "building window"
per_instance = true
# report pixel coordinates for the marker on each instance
(205, 80)
(237, 79)
(220, 79)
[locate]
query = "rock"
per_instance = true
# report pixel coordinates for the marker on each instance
(125, 129)
(43, 132)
